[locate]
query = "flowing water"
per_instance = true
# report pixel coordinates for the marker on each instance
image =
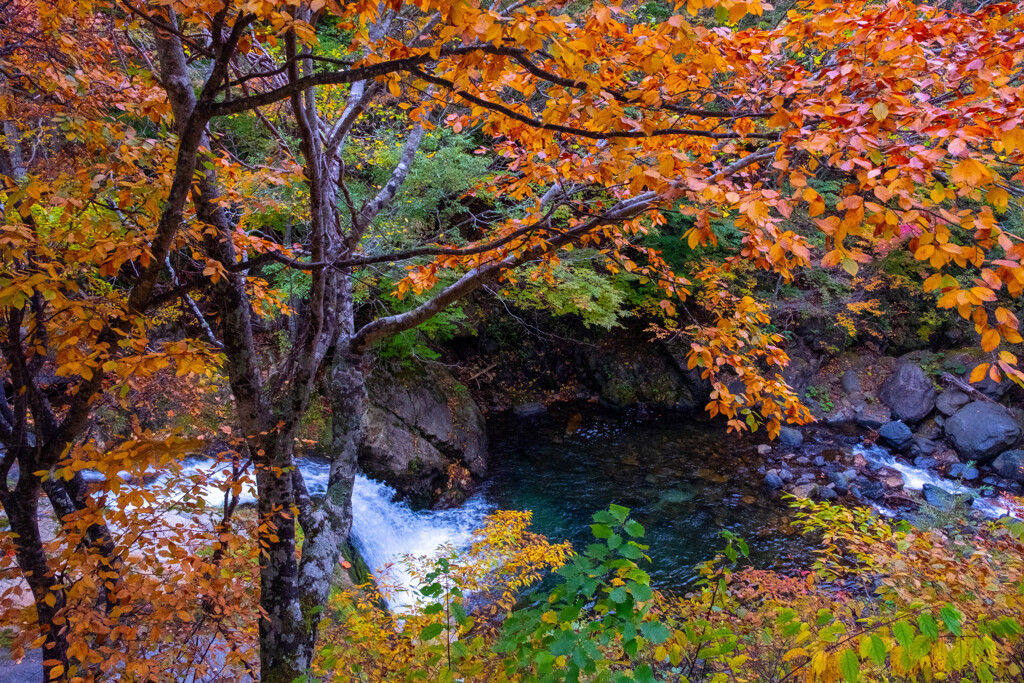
(685, 480)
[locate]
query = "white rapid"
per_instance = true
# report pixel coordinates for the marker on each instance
(384, 530)
(915, 478)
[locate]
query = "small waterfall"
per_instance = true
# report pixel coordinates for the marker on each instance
(385, 531)
(915, 478)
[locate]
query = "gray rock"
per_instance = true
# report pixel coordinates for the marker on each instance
(773, 481)
(924, 462)
(943, 499)
(788, 436)
(529, 409)
(873, 415)
(840, 481)
(764, 449)
(930, 429)
(923, 446)
(962, 471)
(908, 393)
(868, 488)
(951, 400)
(803, 460)
(980, 431)
(896, 435)
(419, 422)
(1010, 465)
(850, 381)
(819, 461)
(804, 490)
(826, 493)
(786, 475)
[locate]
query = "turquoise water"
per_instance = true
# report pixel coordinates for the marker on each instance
(685, 480)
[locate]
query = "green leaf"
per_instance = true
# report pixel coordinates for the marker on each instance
(601, 530)
(824, 617)
(904, 633)
(431, 631)
(928, 626)
(951, 618)
(634, 529)
(655, 631)
(643, 674)
(620, 513)
(876, 650)
(849, 665)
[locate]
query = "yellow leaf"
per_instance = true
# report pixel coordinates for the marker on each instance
(979, 372)
(880, 110)
(971, 173)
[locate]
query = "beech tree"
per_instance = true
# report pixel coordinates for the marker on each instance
(601, 122)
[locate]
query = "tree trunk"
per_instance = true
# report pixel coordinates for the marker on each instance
(22, 508)
(327, 526)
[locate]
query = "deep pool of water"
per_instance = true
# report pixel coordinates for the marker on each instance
(684, 479)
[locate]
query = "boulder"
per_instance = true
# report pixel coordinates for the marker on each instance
(1010, 465)
(850, 381)
(826, 493)
(788, 436)
(419, 423)
(908, 393)
(951, 400)
(867, 488)
(980, 431)
(925, 463)
(624, 373)
(873, 415)
(923, 446)
(962, 471)
(896, 435)
(943, 499)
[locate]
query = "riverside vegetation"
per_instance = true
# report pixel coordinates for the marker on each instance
(244, 232)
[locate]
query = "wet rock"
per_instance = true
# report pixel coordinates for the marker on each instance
(773, 481)
(980, 431)
(788, 436)
(529, 409)
(896, 435)
(1010, 465)
(420, 423)
(676, 497)
(943, 499)
(946, 456)
(804, 490)
(826, 493)
(841, 414)
(962, 471)
(923, 446)
(930, 429)
(624, 373)
(859, 461)
(841, 481)
(908, 393)
(925, 463)
(951, 400)
(873, 415)
(850, 381)
(868, 488)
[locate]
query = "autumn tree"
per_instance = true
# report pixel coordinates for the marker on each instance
(600, 121)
